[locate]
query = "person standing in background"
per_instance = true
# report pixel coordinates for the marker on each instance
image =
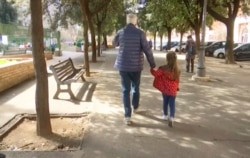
(190, 54)
(150, 43)
(132, 44)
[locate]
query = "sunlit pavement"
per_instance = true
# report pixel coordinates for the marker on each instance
(212, 118)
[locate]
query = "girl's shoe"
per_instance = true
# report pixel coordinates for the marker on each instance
(171, 122)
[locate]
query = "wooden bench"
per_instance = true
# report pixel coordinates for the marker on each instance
(65, 73)
(14, 52)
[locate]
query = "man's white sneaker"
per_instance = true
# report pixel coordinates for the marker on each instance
(171, 122)
(128, 121)
(165, 117)
(135, 110)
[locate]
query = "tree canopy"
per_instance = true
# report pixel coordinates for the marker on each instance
(8, 14)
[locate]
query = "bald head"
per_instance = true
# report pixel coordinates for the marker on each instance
(131, 19)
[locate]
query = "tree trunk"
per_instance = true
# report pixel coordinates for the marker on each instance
(154, 40)
(92, 30)
(161, 36)
(105, 40)
(181, 38)
(93, 41)
(86, 54)
(230, 42)
(169, 30)
(83, 5)
(99, 40)
(41, 95)
(197, 37)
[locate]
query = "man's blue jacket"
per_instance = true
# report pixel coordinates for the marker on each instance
(132, 43)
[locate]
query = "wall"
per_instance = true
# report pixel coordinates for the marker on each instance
(14, 73)
(242, 29)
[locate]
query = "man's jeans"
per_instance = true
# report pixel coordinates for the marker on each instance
(129, 79)
(190, 60)
(188, 65)
(168, 101)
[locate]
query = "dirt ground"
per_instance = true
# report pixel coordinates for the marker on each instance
(67, 135)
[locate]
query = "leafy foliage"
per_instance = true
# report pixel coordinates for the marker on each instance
(8, 14)
(228, 17)
(245, 8)
(110, 17)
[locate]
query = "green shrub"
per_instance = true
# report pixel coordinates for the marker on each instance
(79, 43)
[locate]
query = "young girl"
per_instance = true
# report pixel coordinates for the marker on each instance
(166, 80)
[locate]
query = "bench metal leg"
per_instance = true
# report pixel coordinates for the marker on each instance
(68, 90)
(72, 96)
(57, 92)
(83, 79)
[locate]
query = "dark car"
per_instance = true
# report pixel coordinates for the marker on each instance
(242, 52)
(179, 48)
(209, 50)
(208, 43)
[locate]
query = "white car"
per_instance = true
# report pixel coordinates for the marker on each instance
(220, 53)
(176, 48)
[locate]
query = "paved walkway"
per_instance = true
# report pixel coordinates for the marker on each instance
(212, 118)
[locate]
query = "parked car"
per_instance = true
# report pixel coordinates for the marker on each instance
(220, 53)
(209, 50)
(178, 47)
(157, 45)
(172, 44)
(242, 52)
(208, 43)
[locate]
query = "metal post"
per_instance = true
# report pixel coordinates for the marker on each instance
(201, 71)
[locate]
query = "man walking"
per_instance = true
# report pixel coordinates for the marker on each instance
(132, 43)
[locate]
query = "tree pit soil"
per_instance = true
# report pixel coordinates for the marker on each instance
(67, 134)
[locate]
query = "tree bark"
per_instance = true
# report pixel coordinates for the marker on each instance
(99, 39)
(41, 95)
(100, 18)
(86, 54)
(93, 41)
(84, 5)
(230, 42)
(197, 36)
(154, 40)
(161, 36)
(181, 38)
(105, 40)
(169, 30)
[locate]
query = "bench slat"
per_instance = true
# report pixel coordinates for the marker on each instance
(65, 74)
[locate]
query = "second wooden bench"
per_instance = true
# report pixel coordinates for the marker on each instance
(65, 73)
